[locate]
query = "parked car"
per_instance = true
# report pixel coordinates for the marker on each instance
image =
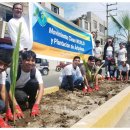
(42, 65)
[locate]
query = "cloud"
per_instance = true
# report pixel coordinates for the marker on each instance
(73, 10)
(76, 9)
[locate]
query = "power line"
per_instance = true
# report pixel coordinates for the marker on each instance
(107, 13)
(102, 4)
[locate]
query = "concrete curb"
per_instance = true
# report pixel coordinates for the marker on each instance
(51, 90)
(108, 114)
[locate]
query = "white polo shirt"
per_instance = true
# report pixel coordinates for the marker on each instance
(97, 52)
(121, 54)
(124, 68)
(25, 38)
(109, 51)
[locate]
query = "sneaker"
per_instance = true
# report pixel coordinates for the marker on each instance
(3, 124)
(96, 87)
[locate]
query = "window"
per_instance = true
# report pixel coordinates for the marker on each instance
(94, 24)
(101, 28)
(5, 13)
(38, 60)
(44, 61)
(55, 9)
(86, 25)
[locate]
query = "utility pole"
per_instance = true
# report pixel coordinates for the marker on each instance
(107, 14)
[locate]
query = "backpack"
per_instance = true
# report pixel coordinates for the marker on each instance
(32, 73)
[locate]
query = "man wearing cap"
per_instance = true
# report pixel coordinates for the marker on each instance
(90, 67)
(124, 70)
(121, 54)
(5, 61)
(98, 50)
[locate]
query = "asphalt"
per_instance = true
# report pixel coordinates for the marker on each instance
(124, 122)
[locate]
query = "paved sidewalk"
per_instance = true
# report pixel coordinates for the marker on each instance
(125, 120)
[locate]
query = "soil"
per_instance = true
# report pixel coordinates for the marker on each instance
(64, 109)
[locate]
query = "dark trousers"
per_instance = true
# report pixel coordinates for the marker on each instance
(123, 73)
(28, 92)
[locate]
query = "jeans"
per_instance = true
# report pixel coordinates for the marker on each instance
(76, 82)
(2, 105)
(112, 73)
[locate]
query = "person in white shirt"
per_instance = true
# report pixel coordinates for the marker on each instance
(94, 35)
(13, 27)
(29, 84)
(124, 70)
(112, 70)
(72, 75)
(98, 50)
(121, 54)
(6, 52)
(108, 53)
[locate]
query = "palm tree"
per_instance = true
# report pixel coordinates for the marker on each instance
(123, 26)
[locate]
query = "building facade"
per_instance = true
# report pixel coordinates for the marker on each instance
(92, 23)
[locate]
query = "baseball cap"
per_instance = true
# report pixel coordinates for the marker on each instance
(97, 41)
(91, 58)
(123, 60)
(6, 52)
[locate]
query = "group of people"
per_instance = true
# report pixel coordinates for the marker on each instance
(29, 83)
(116, 62)
(86, 75)
(81, 75)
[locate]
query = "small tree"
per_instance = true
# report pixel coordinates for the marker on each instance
(14, 67)
(91, 76)
(123, 26)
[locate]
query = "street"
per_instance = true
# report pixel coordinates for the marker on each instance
(51, 79)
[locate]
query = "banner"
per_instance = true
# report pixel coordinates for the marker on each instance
(55, 37)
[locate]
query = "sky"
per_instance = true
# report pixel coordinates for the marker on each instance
(75, 9)
(72, 10)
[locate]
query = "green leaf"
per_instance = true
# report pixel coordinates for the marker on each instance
(36, 12)
(14, 66)
(98, 71)
(88, 72)
(119, 26)
(123, 24)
